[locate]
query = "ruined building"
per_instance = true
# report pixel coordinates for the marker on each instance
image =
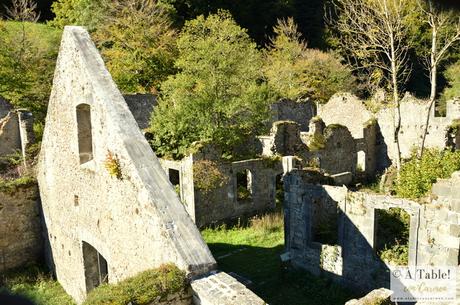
(16, 129)
(348, 255)
(109, 209)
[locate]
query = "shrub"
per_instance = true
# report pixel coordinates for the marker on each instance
(112, 165)
(452, 74)
(417, 176)
(207, 176)
(393, 235)
(142, 289)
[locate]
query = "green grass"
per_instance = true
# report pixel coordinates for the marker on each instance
(253, 252)
(35, 284)
(142, 289)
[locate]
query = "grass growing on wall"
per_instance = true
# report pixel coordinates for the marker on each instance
(145, 288)
(253, 252)
(35, 284)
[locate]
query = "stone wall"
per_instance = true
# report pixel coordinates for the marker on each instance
(10, 137)
(129, 218)
(221, 289)
(349, 110)
(21, 240)
(332, 149)
(16, 132)
(222, 203)
(434, 232)
(5, 107)
(300, 111)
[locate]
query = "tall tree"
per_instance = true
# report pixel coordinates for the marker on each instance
(28, 52)
(445, 34)
(374, 34)
(218, 95)
(293, 70)
(138, 43)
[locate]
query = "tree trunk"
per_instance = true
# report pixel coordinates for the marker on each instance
(433, 74)
(394, 78)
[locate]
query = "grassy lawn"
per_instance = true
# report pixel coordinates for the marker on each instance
(37, 285)
(253, 253)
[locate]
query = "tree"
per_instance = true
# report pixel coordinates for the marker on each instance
(293, 70)
(452, 74)
(445, 33)
(218, 95)
(137, 42)
(88, 13)
(28, 52)
(374, 34)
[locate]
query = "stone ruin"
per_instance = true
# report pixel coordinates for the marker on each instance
(109, 210)
(350, 257)
(16, 130)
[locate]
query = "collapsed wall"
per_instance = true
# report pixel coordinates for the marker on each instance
(109, 209)
(348, 110)
(348, 253)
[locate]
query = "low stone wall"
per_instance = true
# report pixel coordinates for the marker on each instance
(221, 289)
(181, 298)
(20, 227)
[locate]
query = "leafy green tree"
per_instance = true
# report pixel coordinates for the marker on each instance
(452, 74)
(137, 42)
(293, 70)
(89, 13)
(218, 95)
(28, 52)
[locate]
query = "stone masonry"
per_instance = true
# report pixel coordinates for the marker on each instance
(133, 221)
(21, 240)
(109, 209)
(434, 233)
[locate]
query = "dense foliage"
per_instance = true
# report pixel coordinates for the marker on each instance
(452, 74)
(142, 289)
(293, 70)
(137, 43)
(218, 95)
(417, 176)
(28, 53)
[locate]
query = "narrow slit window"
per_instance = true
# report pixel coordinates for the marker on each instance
(85, 138)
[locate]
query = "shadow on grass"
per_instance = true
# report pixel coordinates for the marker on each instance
(275, 283)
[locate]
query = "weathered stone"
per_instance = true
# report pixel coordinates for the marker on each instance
(222, 289)
(21, 240)
(129, 217)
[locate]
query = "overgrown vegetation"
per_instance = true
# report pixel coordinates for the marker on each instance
(14, 173)
(28, 53)
(418, 175)
(294, 71)
(207, 176)
(218, 94)
(393, 236)
(452, 74)
(35, 284)
(138, 44)
(143, 289)
(253, 251)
